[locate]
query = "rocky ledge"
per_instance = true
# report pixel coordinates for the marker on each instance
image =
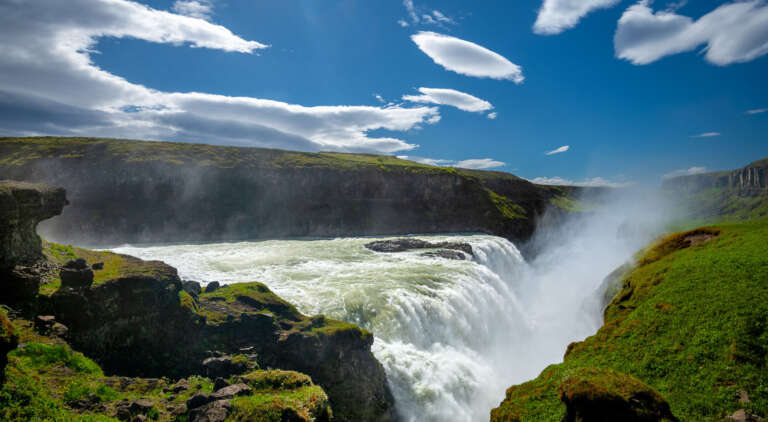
(137, 318)
(447, 250)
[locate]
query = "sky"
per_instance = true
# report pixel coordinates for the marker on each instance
(591, 92)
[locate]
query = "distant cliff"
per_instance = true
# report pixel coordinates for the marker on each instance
(751, 179)
(133, 191)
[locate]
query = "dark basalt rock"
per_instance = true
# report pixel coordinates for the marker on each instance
(223, 367)
(192, 287)
(212, 287)
(597, 395)
(407, 244)
(76, 274)
(446, 254)
(216, 411)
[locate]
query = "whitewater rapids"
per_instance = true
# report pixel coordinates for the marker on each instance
(452, 335)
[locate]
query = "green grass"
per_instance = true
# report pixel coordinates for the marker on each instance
(115, 265)
(279, 392)
(691, 321)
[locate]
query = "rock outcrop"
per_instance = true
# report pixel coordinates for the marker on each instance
(22, 207)
(407, 244)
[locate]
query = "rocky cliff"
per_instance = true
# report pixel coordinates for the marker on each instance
(22, 207)
(748, 180)
(137, 318)
(131, 191)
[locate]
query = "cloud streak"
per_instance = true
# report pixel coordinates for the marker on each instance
(706, 135)
(757, 111)
(595, 182)
(732, 33)
(450, 97)
(473, 163)
(467, 58)
(684, 172)
(46, 66)
(556, 16)
(562, 149)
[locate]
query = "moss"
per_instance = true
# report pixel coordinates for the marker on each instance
(249, 298)
(507, 208)
(115, 265)
(278, 394)
(8, 333)
(690, 320)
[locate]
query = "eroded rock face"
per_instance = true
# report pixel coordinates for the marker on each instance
(22, 207)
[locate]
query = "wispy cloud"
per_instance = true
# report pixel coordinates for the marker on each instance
(201, 9)
(492, 115)
(473, 163)
(418, 15)
(451, 97)
(556, 16)
(757, 111)
(732, 33)
(563, 148)
(684, 172)
(593, 182)
(466, 58)
(706, 135)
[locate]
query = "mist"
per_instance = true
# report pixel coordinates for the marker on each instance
(451, 335)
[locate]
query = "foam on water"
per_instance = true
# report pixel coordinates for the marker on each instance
(451, 335)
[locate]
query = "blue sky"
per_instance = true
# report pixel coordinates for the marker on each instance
(628, 110)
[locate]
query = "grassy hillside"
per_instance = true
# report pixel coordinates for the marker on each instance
(690, 321)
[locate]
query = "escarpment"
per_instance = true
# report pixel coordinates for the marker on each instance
(750, 180)
(133, 191)
(22, 207)
(137, 318)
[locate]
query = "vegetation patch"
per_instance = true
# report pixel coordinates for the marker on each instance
(281, 395)
(690, 321)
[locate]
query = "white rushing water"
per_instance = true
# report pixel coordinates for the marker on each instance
(452, 335)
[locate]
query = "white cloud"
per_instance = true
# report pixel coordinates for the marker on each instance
(49, 85)
(492, 115)
(440, 17)
(411, 10)
(706, 135)
(451, 97)
(201, 9)
(593, 182)
(479, 163)
(466, 58)
(563, 148)
(685, 172)
(379, 98)
(556, 16)
(402, 23)
(732, 33)
(474, 163)
(757, 111)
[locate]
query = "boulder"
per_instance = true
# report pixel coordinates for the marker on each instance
(231, 391)
(224, 367)
(220, 383)
(44, 323)
(212, 287)
(192, 287)
(407, 244)
(198, 400)
(742, 415)
(216, 411)
(76, 274)
(598, 395)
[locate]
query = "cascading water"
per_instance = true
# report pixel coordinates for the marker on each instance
(452, 335)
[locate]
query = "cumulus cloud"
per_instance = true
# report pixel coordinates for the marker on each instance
(201, 9)
(563, 148)
(593, 182)
(492, 115)
(685, 172)
(473, 163)
(556, 16)
(450, 97)
(706, 135)
(757, 111)
(466, 58)
(47, 70)
(732, 33)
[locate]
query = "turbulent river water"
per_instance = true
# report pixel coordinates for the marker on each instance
(452, 335)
